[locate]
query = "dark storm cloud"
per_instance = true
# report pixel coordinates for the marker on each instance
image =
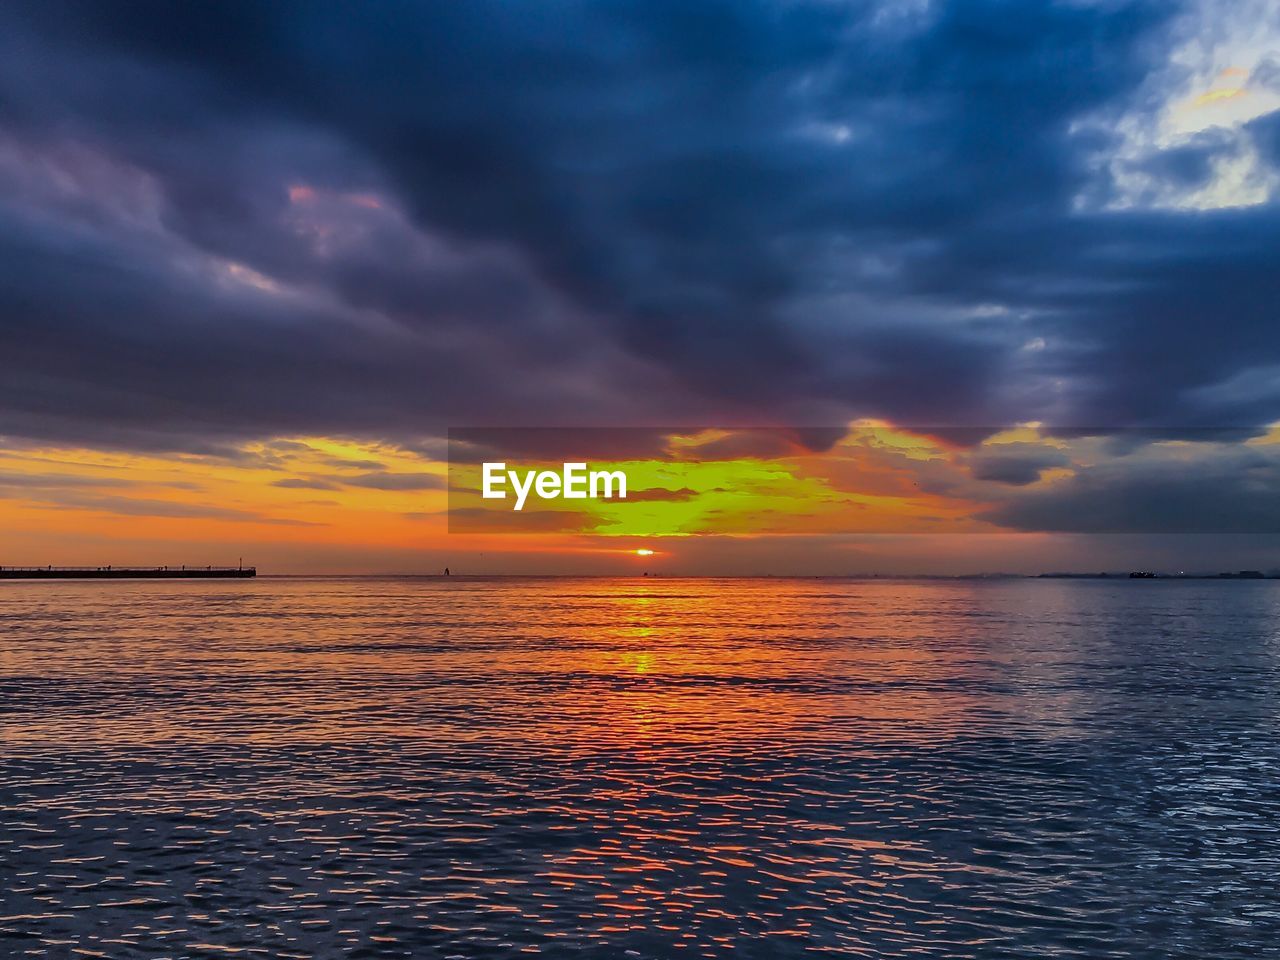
(397, 481)
(1016, 464)
(17, 483)
(236, 220)
(1232, 492)
(480, 444)
(1191, 164)
(146, 507)
(55, 481)
(572, 444)
(304, 483)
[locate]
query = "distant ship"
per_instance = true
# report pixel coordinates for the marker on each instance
(127, 573)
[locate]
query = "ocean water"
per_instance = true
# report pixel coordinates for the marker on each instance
(776, 768)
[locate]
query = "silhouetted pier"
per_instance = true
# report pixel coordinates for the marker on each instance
(127, 573)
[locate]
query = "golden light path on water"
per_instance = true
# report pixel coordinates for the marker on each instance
(761, 768)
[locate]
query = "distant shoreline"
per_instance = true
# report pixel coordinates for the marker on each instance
(127, 573)
(234, 573)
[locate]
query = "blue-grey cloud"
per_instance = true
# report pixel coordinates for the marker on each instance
(243, 219)
(1015, 464)
(382, 480)
(305, 483)
(1162, 491)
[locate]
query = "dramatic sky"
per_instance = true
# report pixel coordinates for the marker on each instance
(256, 259)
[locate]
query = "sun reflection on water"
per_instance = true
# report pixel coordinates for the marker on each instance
(713, 768)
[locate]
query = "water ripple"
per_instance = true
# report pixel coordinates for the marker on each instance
(481, 768)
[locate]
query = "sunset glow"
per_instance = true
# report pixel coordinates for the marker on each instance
(709, 479)
(315, 500)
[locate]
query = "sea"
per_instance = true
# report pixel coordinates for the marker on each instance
(640, 768)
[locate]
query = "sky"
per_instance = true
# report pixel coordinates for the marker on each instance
(1007, 272)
